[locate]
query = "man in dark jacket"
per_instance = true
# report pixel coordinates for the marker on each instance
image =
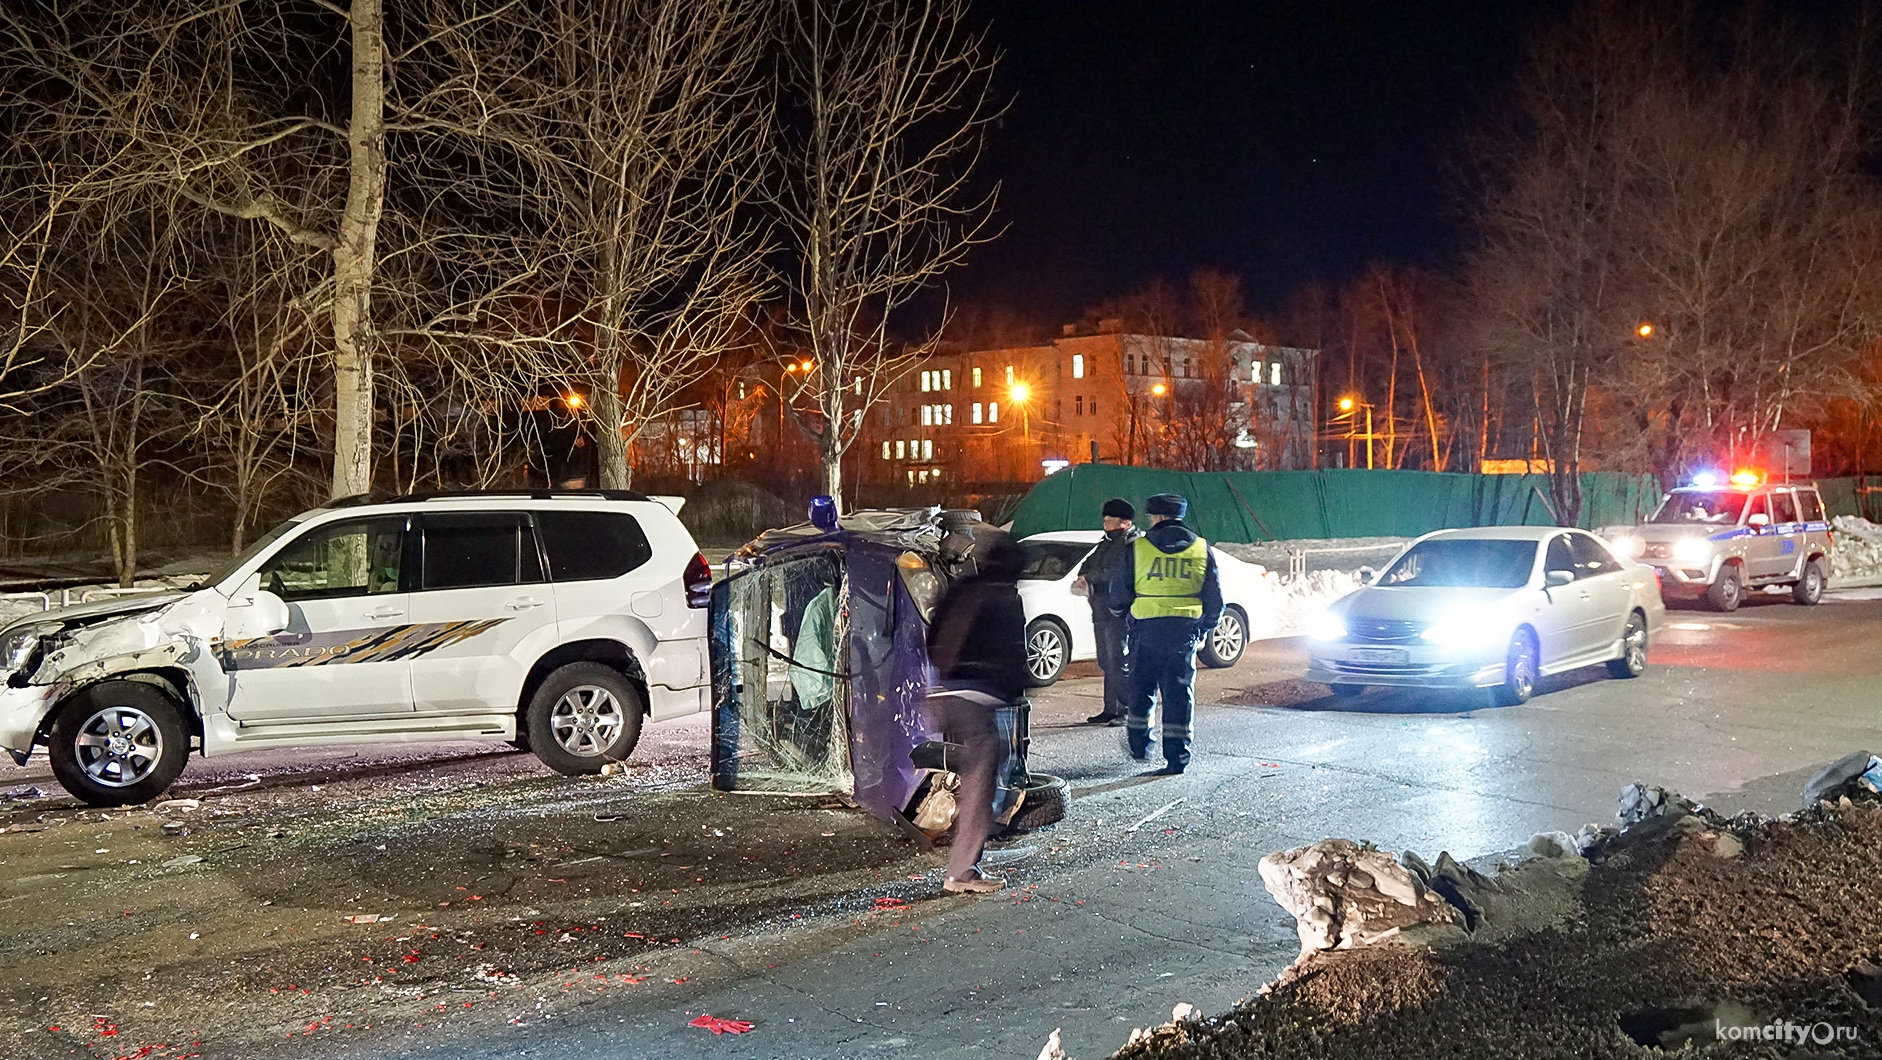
(1173, 598)
(978, 647)
(1109, 561)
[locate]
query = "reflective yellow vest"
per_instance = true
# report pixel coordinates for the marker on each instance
(1168, 585)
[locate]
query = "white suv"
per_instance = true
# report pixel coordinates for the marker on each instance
(556, 620)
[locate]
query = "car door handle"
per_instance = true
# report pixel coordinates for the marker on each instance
(386, 612)
(523, 603)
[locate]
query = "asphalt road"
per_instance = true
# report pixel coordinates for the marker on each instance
(1147, 895)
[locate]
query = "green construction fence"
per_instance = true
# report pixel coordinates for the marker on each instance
(1285, 505)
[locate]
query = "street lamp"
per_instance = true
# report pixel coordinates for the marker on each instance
(1159, 390)
(1348, 407)
(1019, 392)
(1645, 330)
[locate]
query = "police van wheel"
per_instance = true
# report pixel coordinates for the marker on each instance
(1809, 588)
(1727, 589)
(118, 743)
(1044, 803)
(1048, 649)
(1223, 645)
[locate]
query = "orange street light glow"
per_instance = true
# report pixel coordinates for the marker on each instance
(1346, 404)
(1020, 392)
(574, 401)
(1159, 390)
(1645, 330)
(806, 366)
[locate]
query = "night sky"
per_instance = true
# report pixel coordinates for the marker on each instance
(1283, 140)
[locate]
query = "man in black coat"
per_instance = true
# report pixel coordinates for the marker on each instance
(978, 647)
(1109, 561)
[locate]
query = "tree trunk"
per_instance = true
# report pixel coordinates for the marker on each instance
(830, 456)
(610, 441)
(354, 257)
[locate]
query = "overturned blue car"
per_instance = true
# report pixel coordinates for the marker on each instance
(820, 670)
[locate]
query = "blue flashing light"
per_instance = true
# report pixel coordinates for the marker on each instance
(823, 512)
(1705, 480)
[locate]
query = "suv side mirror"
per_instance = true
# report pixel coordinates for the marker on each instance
(254, 612)
(1555, 579)
(1366, 575)
(1758, 519)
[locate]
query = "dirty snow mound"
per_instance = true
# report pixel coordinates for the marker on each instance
(1858, 552)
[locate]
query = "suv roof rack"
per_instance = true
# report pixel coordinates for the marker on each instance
(533, 494)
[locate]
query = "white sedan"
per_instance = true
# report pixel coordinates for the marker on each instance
(1058, 621)
(1492, 607)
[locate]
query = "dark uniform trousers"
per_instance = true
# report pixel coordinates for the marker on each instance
(1163, 664)
(1114, 660)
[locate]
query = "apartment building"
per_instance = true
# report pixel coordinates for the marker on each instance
(1015, 415)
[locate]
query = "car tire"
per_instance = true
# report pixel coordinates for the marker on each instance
(1809, 588)
(584, 716)
(117, 743)
(1224, 645)
(1048, 650)
(1347, 691)
(1044, 804)
(1520, 669)
(1727, 590)
(1633, 660)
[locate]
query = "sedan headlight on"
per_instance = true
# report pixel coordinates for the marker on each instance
(1693, 550)
(1326, 626)
(1630, 545)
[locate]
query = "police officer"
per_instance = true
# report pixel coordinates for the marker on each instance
(1111, 560)
(1173, 598)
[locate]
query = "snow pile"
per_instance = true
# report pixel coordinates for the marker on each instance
(1858, 552)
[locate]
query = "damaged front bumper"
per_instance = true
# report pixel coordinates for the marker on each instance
(22, 710)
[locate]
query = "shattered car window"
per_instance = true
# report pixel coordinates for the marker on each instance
(356, 558)
(788, 623)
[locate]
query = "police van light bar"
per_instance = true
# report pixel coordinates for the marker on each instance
(1746, 478)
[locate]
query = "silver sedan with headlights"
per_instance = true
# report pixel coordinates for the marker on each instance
(1492, 607)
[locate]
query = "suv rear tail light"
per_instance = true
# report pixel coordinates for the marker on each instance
(698, 581)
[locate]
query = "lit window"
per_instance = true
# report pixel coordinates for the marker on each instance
(947, 378)
(1009, 375)
(976, 377)
(885, 450)
(923, 477)
(1078, 366)
(741, 391)
(900, 452)
(1274, 377)
(857, 386)
(978, 413)
(925, 387)
(949, 417)
(927, 415)
(911, 476)
(1254, 372)
(993, 412)
(927, 448)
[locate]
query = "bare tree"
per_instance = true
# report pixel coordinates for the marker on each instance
(622, 136)
(886, 103)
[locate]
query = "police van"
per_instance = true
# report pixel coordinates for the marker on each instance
(1715, 540)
